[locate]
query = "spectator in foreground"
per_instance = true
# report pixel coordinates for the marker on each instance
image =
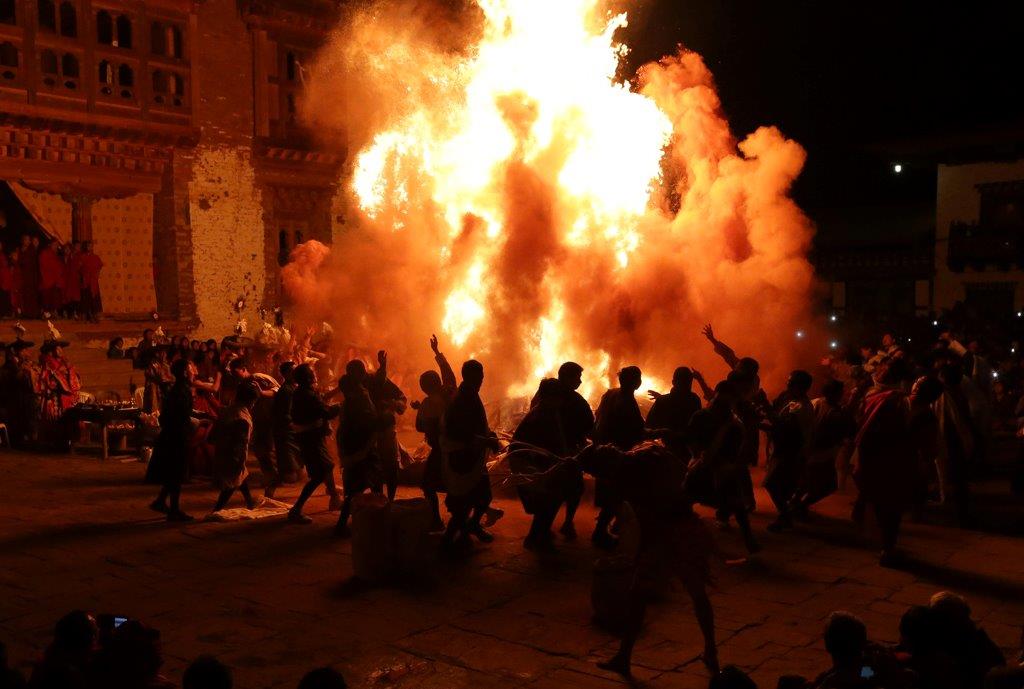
(9, 677)
(206, 672)
(323, 678)
(68, 657)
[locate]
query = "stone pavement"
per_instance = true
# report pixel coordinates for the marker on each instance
(274, 599)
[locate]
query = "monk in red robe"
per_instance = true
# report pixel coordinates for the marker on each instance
(51, 279)
(28, 271)
(92, 264)
(73, 280)
(6, 285)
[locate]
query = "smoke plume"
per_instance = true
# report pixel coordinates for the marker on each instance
(508, 195)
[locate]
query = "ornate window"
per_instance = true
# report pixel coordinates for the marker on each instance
(69, 66)
(47, 15)
(68, 20)
(176, 41)
(48, 63)
(124, 32)
(8, 61)
(104, 28)
(158, 39)
(8, 12)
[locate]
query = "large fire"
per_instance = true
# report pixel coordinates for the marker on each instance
(509, 191)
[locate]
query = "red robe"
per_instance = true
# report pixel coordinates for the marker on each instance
(887, 471)
(73, 278)
(91, 266)
(51, 269)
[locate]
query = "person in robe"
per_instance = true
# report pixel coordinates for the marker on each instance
(357, 435)
(466, 439)
(537, 455)
(6, 285)
(311, 418)
(390, 403)
(673, 541)
(577, 419)
(834, 429)
(670, 414)
(230, 437)
(790, 428)
(72, 281)
(168, 466)
(262, 443)
(957, 440)
(51, 279)
(59, 384)
(92, 264)
(207, 383)
(21, 390)
(158, 380)
(28, 273)
(281, 426)
(440, 389)
(617, 422)
(715, 438)
(887, 472)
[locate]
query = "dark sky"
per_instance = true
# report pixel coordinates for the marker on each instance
(843, 77)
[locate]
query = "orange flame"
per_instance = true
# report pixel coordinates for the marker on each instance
(513, 194)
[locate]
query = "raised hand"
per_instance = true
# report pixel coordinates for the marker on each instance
(654, 395)
(382, 358)
(708, 332)
(433, 344)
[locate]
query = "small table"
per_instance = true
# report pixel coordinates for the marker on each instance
(105, 416)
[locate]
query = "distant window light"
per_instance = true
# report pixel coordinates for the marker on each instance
(897, 168)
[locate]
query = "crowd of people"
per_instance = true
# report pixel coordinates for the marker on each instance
(910, 427)
(108, 652)
(48, 279)
(940, 647)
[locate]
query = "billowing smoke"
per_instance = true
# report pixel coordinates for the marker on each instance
(508, 195)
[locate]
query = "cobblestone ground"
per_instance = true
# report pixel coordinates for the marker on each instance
(273, 599)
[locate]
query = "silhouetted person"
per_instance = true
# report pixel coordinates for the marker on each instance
(972, 651)
(834, 428)
(9, 677)
(206, 672)
(281, 424)
(856, 663)
(670, 414)
(790, 428)
(618, 422)
(888, 474)
(539, 451)
(29, 277)
(389, 402)
(311, 422)
(67, 660)
(169, 463)
(130, 659)
(357, 446)
(439, 389)
(92, 303)
(466, 437)
(673, 542)
(230, 436)
(323, 678)
(957, 441)
(577, 421)
(715, 436)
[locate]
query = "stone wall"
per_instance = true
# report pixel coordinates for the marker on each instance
(227, 238)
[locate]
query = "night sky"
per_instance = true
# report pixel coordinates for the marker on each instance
(851, 81)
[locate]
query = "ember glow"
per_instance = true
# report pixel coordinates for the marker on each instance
(512, 193)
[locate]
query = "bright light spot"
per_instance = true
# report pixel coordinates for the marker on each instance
(799, 334)
(833, 318)
(1020, 313)
(897, 168)
(833, 344)
(935, 322)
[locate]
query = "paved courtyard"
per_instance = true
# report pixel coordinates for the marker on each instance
(274, 599)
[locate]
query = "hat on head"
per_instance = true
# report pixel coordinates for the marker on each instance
(51, 345)
(20, 345)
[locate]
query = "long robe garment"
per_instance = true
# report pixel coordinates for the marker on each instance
(169, 463)
(230, 437)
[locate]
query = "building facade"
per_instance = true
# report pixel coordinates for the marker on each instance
(979, 247)
(165, 132)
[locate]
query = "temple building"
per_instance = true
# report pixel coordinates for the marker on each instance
(165, 132)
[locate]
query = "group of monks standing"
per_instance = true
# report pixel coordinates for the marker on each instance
(47, 279)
